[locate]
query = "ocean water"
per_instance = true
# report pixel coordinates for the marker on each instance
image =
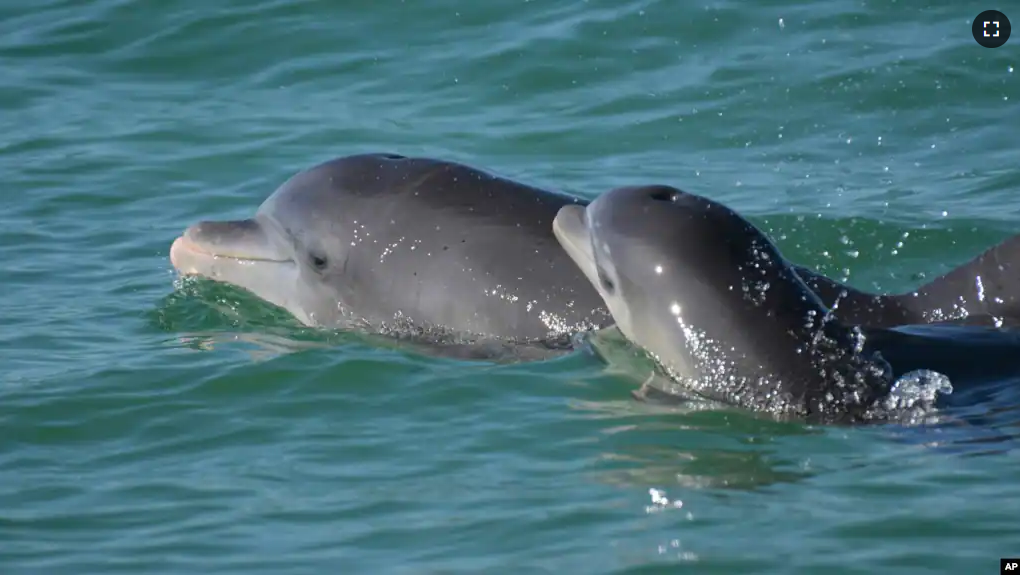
(153, 426)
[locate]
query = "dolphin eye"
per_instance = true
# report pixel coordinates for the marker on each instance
(319, 262)
(607, 284)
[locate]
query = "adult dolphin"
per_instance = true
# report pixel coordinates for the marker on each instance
(382, 241)
(710, 297)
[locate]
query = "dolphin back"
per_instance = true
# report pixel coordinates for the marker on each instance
(982, 292)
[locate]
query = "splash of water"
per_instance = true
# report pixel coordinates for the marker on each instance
(917, 390)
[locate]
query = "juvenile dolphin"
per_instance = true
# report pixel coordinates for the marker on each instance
(388, 241)
(710, 297)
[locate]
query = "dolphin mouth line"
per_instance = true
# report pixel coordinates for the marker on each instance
(183, 243)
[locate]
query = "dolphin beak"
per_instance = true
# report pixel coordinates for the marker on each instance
(207, 247)
(243, 253)
(571, 229)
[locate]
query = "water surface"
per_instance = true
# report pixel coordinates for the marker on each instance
(150, 427)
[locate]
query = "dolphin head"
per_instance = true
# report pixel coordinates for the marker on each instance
(291, 253)
(671, 264)
(710, 297)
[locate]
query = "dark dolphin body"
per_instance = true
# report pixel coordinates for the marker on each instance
(384, 242)
(710, 297)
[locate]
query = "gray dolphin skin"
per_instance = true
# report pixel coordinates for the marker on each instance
(710, 297)
(389, 243)
(385, 240)
(983, 292)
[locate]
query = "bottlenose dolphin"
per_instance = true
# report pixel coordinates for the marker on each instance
(398, 244)
(386, 242)
(711, 298)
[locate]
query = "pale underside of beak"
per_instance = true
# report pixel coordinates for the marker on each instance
(238, 252)
(571, 230)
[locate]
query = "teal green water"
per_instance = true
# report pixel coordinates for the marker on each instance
(148, 426)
